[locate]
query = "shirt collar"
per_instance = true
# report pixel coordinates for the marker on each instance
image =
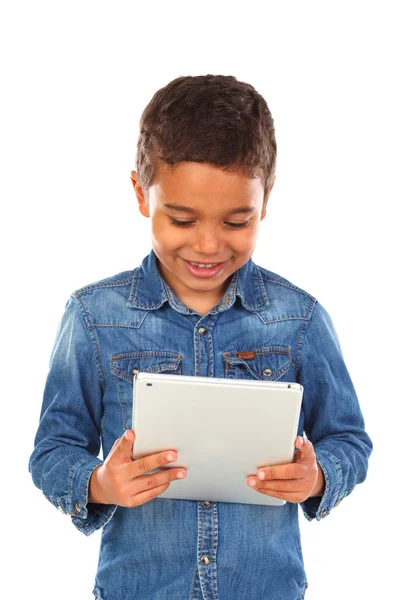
(149, 290)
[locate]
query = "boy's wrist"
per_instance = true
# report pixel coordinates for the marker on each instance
(95, 494)
(319, 487)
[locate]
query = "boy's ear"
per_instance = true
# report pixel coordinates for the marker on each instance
(143, 205)
(263, 212)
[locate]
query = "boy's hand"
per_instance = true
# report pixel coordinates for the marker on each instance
(296, 481)
(121, 480)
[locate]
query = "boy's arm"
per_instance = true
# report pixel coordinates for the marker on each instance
(333, 421)
(67, 442)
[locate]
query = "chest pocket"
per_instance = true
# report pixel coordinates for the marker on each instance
(123, 365)
(269, 363)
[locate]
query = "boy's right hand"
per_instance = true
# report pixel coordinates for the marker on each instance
(121, 480)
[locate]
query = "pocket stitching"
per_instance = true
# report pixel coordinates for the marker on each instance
(233, 362)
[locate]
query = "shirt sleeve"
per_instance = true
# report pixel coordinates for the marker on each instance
(333, 421)
(67, 442)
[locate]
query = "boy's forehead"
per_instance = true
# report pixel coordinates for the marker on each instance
(191, 184)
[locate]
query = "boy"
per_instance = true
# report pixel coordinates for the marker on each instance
(197, 305)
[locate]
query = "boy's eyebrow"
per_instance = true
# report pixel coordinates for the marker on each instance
(239, 210)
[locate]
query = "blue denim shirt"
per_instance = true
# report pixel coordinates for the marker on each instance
(157, 551)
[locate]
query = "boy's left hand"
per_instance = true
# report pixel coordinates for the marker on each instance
(296, 481)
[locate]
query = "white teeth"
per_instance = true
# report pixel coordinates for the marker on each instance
(203, 266)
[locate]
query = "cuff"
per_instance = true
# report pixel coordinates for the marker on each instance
(318, 507)
(86, 516)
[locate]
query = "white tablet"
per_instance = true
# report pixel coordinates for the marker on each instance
(223, 430)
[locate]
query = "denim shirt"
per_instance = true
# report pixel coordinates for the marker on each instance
(264, 327)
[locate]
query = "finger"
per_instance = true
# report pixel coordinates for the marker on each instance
(158, 479)
(293, 497)
(278, 485)
(146, 495)
(121, 450)
(153, 461)
(287, 471)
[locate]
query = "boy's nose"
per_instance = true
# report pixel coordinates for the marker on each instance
(207, 242)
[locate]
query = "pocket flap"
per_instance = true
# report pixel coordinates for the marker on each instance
(123, 365)
(269, 363)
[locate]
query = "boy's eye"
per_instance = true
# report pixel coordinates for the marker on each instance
(186, 223)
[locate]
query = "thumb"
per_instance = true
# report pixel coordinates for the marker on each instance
(305, 450)
(121, 451)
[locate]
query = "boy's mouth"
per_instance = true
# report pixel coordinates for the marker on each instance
(204, 269)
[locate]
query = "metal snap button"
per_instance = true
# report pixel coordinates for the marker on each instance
(60, 508)
(202, 330)
(78, 507)
(206, 503)
(135, 371)
(267, 372)
(324, 512)
(205, 560)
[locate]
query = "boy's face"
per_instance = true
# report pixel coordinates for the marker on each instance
(207, 228)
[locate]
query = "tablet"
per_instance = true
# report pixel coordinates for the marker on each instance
(223, 430)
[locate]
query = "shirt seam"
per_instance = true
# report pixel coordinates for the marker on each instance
(93, 339)
(303, 334)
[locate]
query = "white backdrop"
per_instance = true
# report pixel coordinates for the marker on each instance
(75, 78)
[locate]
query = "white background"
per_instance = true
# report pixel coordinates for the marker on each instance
(75, 78)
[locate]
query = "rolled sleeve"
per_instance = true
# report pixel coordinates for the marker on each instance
(319, 507)
(67, 442)
(333, 420)
(86, 516)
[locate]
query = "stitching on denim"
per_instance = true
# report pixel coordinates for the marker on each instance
(145, 354)
(285, 284)
(208, 355)
(302, 335)
(194, 581)
(121, 403)
(94, 286)
(129, 325)
(264, 298)
(338, 471)
(134, 285)
(198, 355)
(283, 319)
(173, 367)
(214, 525)
(285, 350)
(71, 476)
(94, 342)
(201, 547)
(89, 528)
(273, 377)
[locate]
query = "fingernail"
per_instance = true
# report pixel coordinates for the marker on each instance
(180, 474)
(261, 475)
(252, 482)
(171, 456)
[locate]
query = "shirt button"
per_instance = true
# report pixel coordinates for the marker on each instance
(202, 330)
(78, 508)
(205, 560)
(206, 503)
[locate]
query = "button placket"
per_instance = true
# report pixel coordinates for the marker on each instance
(207, 548)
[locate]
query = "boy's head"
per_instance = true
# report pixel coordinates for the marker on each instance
(206, 143)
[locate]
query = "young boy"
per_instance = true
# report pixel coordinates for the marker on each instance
(197, 305)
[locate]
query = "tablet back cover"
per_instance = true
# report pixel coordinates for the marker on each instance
(222, 430)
